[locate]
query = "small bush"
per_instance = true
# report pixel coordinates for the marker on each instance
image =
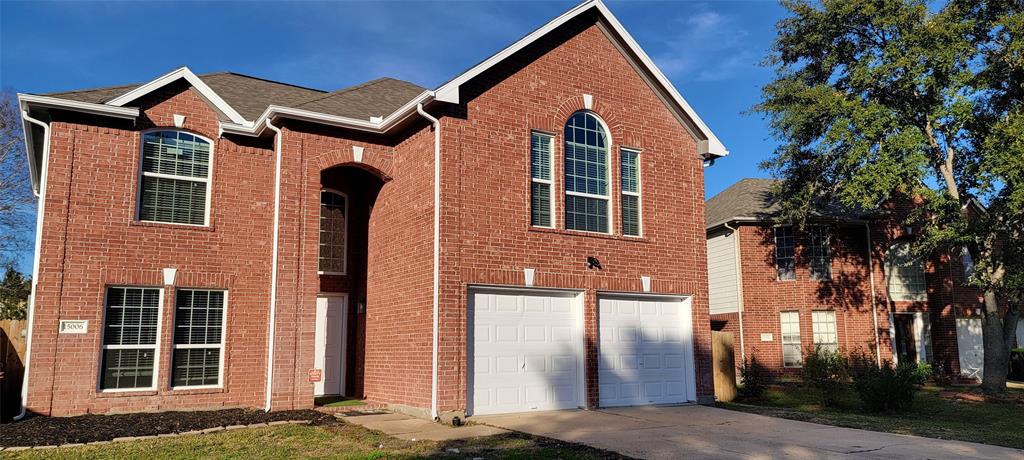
(923, 372)
(755, 378)
(887, 389)
(827, 372)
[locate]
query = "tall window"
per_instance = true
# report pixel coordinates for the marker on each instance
(333, 231)
(904, 272)
(198, 338)
(785, 252)
(175, 185)
(819, 252)
(630, 192)
(130, 330)
(824, 326)
(792, 356)
(586, 174)
(540, 180)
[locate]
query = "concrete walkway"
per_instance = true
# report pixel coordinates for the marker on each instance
(707, 432)
(417, 429)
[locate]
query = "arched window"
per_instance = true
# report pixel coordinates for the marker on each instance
(904, 273)
(333, 232)
(587, 194)
(175, 182)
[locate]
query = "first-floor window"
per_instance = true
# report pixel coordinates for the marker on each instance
(130, 330)
(792, 356)
(198, 338)
(824, 325)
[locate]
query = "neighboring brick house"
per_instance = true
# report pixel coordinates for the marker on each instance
(221, 240)
(782, 290)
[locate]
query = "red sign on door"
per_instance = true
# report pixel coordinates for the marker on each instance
(314, 375)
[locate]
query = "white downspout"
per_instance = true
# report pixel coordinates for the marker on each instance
(273, 267)
(437, 252)
(874, 306)
(739, 294)
(40, 207)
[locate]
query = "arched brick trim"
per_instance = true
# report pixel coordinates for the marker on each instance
(374, 161)
(606, 112)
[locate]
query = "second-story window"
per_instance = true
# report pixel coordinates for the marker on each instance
(630, 192)
(333, 232)
(785, 252)
(587, 196)
(819, 253)
(175, 183)
(540, 180)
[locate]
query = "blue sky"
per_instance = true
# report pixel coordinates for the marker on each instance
(710, 50)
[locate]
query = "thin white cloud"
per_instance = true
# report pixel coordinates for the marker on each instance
(707, 46)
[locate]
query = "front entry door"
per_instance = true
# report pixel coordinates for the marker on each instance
(329, 356)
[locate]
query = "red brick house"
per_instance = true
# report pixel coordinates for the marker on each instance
(221, 240)
(846, 281)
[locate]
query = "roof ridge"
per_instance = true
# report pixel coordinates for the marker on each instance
(102, 88)
(228, 72)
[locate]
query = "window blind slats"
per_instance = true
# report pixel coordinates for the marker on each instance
(131, 318)
(181, 199)
(198, 320)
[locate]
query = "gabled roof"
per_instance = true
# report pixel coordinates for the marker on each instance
(754, 200)
(375, 98)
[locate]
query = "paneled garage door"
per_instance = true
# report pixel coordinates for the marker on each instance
(646, 351)
(526, 351)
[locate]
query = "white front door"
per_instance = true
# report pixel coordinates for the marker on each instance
(329, 355)
(646, 351)
(525, 350)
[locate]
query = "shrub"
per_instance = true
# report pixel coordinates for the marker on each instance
(825, 371)
(887, 389)
(755, 378)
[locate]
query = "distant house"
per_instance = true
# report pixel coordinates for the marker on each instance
(527, 236)
(846, 281)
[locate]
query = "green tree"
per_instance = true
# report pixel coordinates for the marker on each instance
(874, 98)
(14, 292)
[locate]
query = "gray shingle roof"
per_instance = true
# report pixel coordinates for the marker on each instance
(250, 96)
(748, 198)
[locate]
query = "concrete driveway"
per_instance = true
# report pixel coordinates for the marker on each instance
(707, 432)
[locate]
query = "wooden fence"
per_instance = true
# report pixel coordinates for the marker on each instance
(12, 366)
(724, 365)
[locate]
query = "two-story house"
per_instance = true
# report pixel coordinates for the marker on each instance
(527, 236)
(847, 281)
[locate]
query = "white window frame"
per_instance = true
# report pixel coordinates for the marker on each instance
(782, 338)
(821, 318)
(609, 146)
(320, 216)
(221, 347)
(155, 346)
(550, 182)
(826, 247)
(208, 180)
(637, 194)
(891, 277)
(775, 239)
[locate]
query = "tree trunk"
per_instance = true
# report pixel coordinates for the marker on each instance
(996, 346)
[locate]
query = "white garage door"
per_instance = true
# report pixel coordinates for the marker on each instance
(526, 351)
(646, 351)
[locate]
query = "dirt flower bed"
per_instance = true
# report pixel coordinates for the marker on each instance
(48, 431)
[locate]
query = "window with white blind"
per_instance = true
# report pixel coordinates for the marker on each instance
(587, 196)
(541, 198)
(819, 252)
(198, 338)
(785, 252)
(630, 170)
(823, 324)
(131, 328)
(792, 355)
(175, 178)
(904, 273)
(333, 232)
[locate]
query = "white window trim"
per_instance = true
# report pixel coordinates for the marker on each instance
(775, 239)
(320, 216)
(609, 209)
(208, 180)
(782, 339)
(155, 346)
(637, 194)
(827, 237)
(553, 211)
(221, 347)
(831, 314)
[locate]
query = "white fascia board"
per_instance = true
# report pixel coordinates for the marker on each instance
(449, 92)
(192, 79)
(30, 100)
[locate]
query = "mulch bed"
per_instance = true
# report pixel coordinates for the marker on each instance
(48, 431)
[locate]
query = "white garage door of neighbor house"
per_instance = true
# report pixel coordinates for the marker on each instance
(646, 351)
(526, 349)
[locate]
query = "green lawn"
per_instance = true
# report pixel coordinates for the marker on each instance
(332, 441)
(1000, 424)
(337, 401)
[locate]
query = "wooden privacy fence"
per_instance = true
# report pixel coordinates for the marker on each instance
(724, 365)
(12, 366)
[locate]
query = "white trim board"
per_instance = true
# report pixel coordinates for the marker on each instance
(182, 73)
